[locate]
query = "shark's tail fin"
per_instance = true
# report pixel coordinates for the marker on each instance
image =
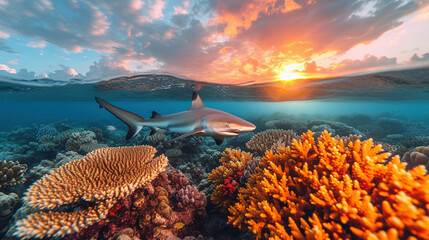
(131, 119)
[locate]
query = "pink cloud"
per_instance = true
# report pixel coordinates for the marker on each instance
(348, 66)
(4, 35)
(7, 69)
(181, 9)
(155, 10)
(36, 44)
(100, 25)
(14, 61)
(72, 72)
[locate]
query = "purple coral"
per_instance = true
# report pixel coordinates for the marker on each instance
(190, 197)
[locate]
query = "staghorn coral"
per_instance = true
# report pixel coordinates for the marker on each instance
(265, 140)
(323, 189)
(416, 157)
(11, 173)
(226, 177)
(101, 177)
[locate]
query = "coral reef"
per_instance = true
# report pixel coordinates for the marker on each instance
(46, 166)
(101, 178)
(287, 124)
(154, 211)
(7, 203)
(226, 177)
(324, 189)
(11, 173)
(416, 157)
(265, 140)
(155, 138)
(77, 139)
(190, 197)
(340, 128)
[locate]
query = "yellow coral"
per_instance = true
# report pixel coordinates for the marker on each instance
(324, 189)
(102, 177)
(270, 139)
(233, 164)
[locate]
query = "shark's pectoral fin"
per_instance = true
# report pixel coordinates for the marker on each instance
(187, 134)
(153, 130)
(218, 140)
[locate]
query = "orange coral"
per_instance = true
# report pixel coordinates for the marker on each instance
(102, 177)
(323, 189)
(226, 177)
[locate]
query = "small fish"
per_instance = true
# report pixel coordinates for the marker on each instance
(179, 225)
(111, 128)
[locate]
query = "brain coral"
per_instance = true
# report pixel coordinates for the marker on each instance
(101, 178)
(11, 172)
(323, 189)
(416, 157)
(226, 177)
(267, 139)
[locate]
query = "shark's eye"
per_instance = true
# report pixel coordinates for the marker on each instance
(228, 125)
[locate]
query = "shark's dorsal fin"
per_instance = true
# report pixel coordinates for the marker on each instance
(155, 115)
(197, 103)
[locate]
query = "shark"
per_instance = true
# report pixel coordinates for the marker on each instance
(197, 120)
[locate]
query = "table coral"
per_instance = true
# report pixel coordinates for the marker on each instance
(226, 177)
(99, 179)
(324, 189)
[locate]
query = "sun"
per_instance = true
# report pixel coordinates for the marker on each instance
(289, 72)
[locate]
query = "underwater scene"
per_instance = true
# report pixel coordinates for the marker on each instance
(209, 161)
(214, 119)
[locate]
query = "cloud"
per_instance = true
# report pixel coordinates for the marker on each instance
(5, 48)
(207, 40)
(107, 68)
(72, 25)
(417, 59)
(7, 69)
(4, 35)
(36, 44)
(64, 74)
(14, 61)
(369, 62)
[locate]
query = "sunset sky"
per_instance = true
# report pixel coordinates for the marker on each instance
(225, 41)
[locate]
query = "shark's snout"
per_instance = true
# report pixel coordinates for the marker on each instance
(247, 128)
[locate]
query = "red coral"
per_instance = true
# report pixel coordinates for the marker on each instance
(231, 184)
